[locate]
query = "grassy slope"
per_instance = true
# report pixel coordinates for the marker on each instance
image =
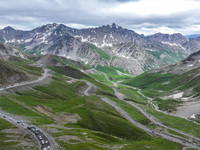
(69, 62)
(17, 68)
(150, 83)
(3, 136)
(100, 52)
(106, 69)
(172, 55)
(69, 71)
(96, 115)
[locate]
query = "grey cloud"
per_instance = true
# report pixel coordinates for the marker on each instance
(30, 14)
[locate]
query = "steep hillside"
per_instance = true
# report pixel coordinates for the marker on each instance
(174, 88)
(6, 49)
(53, 60)
(15, 70)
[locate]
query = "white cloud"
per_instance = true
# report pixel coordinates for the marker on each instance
(79, 26)
(156, 7)
(143, 16)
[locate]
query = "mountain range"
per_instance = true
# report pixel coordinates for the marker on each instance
(108, 45)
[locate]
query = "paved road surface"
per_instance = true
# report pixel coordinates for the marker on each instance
(153, 120)
(43, 142)
(130, 119)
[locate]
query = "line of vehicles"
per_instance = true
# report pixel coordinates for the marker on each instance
(45, 144)
(41, 137)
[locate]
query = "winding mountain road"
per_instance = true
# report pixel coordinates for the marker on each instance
(45, 74)
(122, 112)
(131, 120)
(43, 141)
(153, 120)
(87, 90)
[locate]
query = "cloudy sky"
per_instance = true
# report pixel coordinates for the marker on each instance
(143, 16)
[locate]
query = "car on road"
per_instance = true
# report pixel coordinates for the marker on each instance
(42, 142)
(46, 142)
(40, 137)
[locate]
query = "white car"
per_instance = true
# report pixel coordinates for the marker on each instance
(49, 147)
(40, 137)
(42, 142)
(46, 142)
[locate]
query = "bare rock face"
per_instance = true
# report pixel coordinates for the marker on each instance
(6, 50)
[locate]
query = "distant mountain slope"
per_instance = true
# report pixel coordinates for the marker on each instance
(189, 63)
(53, 60)
(109, 45)
(192, 36)
(6, 49)
(172, 86)
(16, 70)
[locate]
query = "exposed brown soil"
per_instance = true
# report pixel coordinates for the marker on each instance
(70, 139)
(61, 118)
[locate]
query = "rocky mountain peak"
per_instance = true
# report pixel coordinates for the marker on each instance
(193, 57)
(8, 28)
(175, 38)
(114, 25)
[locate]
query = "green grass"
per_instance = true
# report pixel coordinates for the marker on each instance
(99, 77)
(72, 63)
(69, 71)
(4, 145)
(95, 114)
(116, 78)
(132, 95)
(106, 69)
(120, 69)
(101, 86)
(10, 106)
(156, 54)
(99, 116)
(171, 121)
(29, 69)
(103, 125)
(174, 122)
(157, 144)
(99, 51)
(149, 80)
(167, 105)
(82, 146)
(132, 111)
